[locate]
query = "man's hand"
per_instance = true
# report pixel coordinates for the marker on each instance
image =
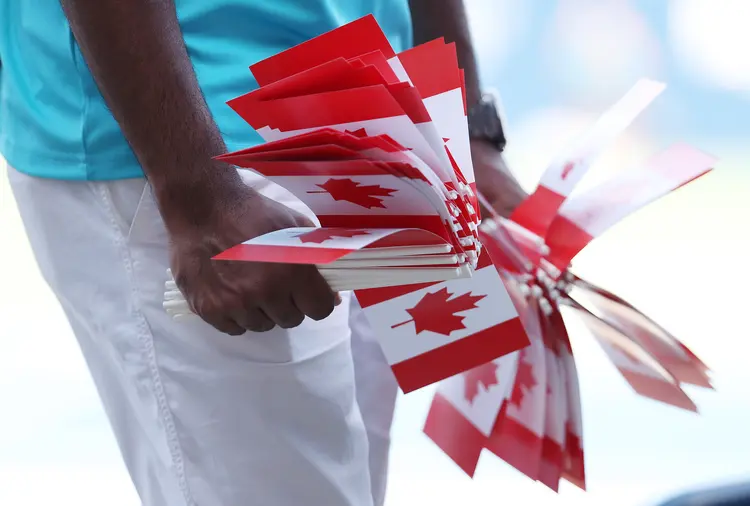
(494, 180)
(239, 296)
(138, 58)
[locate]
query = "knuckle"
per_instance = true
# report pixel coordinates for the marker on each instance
(318, 303)
(216, 311)
(232, 331)
(223, 325)
(322, 312)
(290, 318)
(264, 325)
(263, 289)
(277, 296)
(255, 321)
(208, 308)
(293, 321)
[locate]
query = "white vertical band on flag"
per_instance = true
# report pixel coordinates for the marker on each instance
(433, 138)
(561, 177)
(397, 329)
(623, 352)
(399, 70)
(556, 410)
(570, 372)
(630, 320)
(607, 203)
(531, 376)
(447, 113)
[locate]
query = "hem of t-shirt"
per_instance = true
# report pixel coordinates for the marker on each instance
(44, 165)
(109, 167)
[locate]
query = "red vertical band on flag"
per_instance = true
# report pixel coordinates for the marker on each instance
(359, 37)
(550, 467)
(454, 434)
(459, 356)
(516, 445)
(565, 240)
(538, 210)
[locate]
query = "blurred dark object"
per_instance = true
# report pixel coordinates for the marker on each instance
(729, 495)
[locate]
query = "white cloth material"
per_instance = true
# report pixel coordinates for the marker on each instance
(283, 418)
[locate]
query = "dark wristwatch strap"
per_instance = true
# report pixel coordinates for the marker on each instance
(485, 123)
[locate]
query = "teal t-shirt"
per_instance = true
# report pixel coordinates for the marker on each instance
(54, 123)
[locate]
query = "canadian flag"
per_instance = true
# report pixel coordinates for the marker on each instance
(429, 333)
(587, 216)
(563, 174)
(518, 435)
(411, 78)
(553, 446)
(465, 409)
(351, 40)
(382, 108)
(326, 245)
(573, 469)
(372, 108)
(372, 194)
(351, 92)
(478, 393)
(644, 374)
(676, 358)
(358, 193)
(296, 162)
(432, 69)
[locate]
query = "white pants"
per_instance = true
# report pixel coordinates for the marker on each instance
(295, 417)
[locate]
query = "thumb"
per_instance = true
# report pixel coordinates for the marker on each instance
(303, 220)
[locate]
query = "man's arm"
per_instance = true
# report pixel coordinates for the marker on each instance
(138, 58)
(432, 19)
(136, 53)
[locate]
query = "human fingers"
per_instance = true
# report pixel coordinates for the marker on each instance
(313, 296)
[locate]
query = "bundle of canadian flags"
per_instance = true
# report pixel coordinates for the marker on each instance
(376, 144)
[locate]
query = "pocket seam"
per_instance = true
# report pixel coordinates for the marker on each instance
(138, 211)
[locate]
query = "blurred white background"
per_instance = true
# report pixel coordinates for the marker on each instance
(557, 65)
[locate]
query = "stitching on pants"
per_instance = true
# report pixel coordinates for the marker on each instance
(146, 338)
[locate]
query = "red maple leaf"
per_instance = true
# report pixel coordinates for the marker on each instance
(320, 235)
(345, 189)
(567, 170)
(436, 313)
(525, 381)
(485, 375)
